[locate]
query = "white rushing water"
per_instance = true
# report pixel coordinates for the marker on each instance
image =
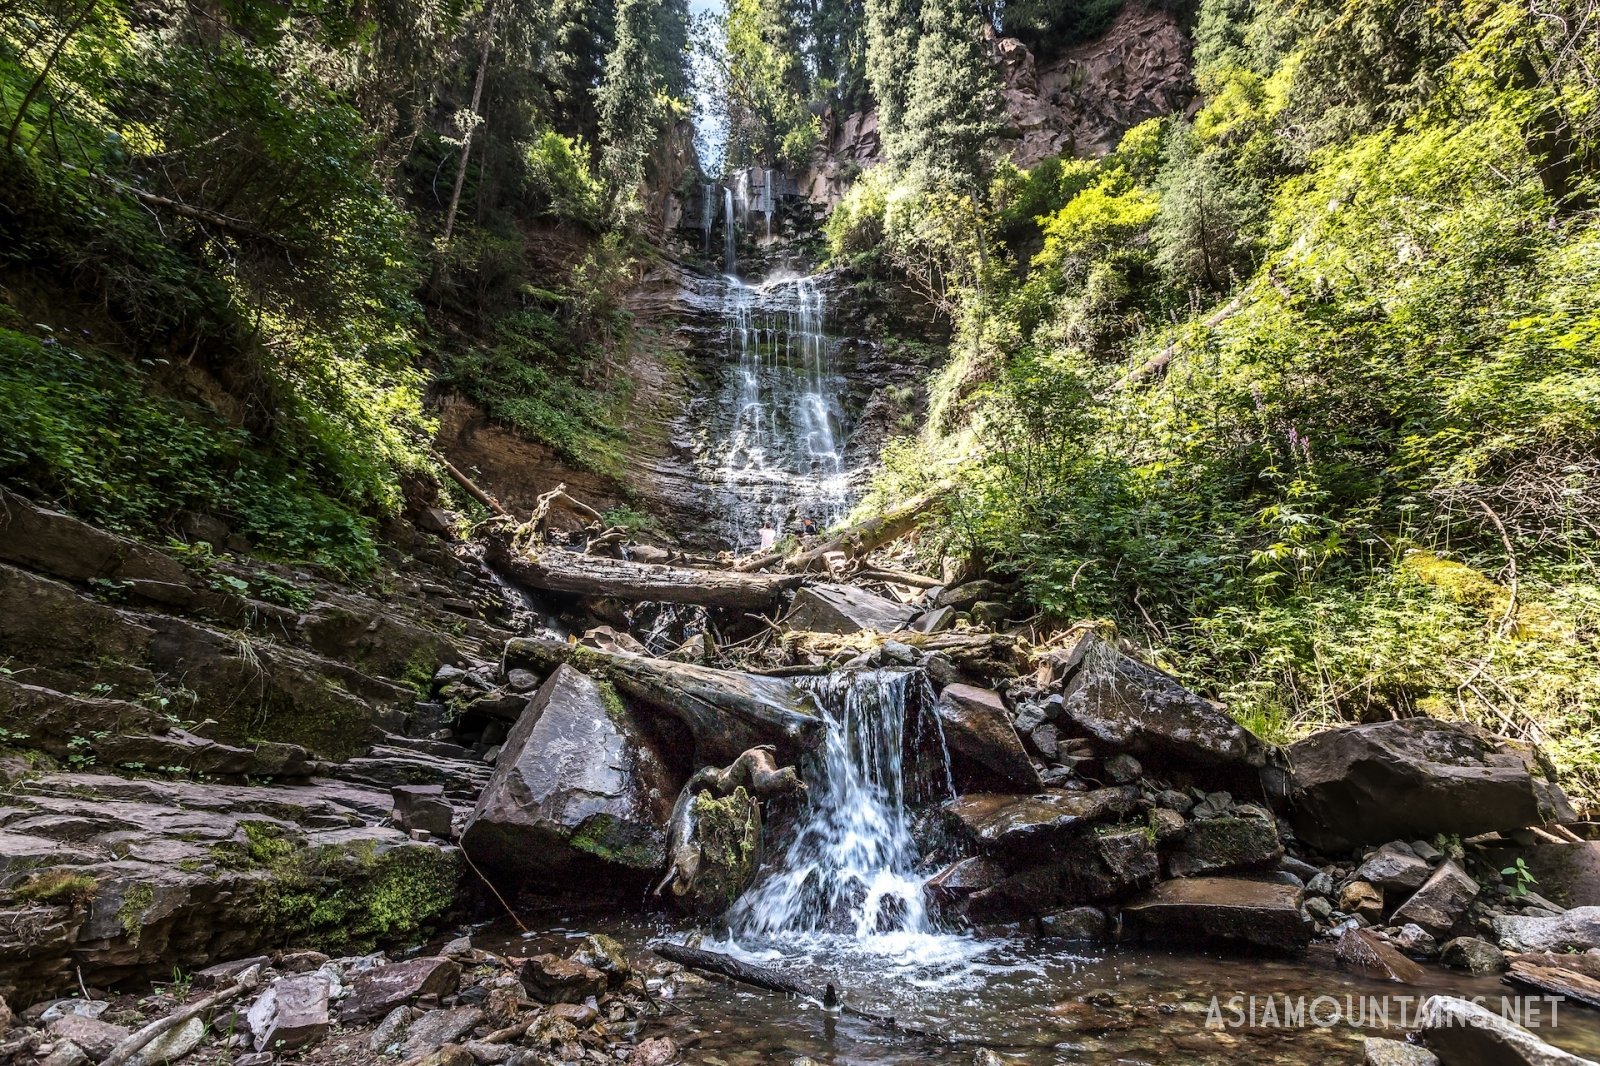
(849, 880)
(782, 458)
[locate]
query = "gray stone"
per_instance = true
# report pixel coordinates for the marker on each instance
(1303, 870)
(1426, 851)
(579, 789)
(379, 991)
(422, 807)
(1321, 884)
(291, 1013)
(552, 979)
(83, 1008)
(389, 1032)
(65, 1053)
(1173, 800)
(1123, 769)
(1416, 940)
(437, 1028)
(1361, 951)
(1463, 1033)
(1478, 957)
(1576, 930)
(1219, 845)
(1378, 1051)
(846, 609)
(1046, 740)
(935, 621)
(1082, 924)
(1441, 901)
(1395, 866)
(95, 1037)
(978, 731)
(1415, 777)
(1129, 705)
(1318, 909)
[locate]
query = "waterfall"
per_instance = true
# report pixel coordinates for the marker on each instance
(766, 199)
(782, 450)
(851, 867)
(729, 264)
(705, 216)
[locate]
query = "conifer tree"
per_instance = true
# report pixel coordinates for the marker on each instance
(952, 111)
(630, 112)
(892, 31)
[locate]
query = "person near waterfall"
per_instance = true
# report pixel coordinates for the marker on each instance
(769, 536)
(808, 527)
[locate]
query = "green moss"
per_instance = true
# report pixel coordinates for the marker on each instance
(267, 843)
(135, 902)
(354, 897)
(623, 843)
(58, 887)
(613, 702)
(728, 832)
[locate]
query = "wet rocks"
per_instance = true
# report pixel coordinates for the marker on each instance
(1469, 953)
(422, 808)
(1576, 930)
(291, 1013)
(1229, 911)
(846, 609)
(1081, 924)
(948, 889)
(1361, 951)
(1395, 866)
(979, 733)
(1463, 1033)
(552, 979)
(1031, 826)
(379, 991)
(1133, 707)
(579, 786)
(1102, 867)
(1361, 898)
(1377, 1051)
(1416, 777)
(1220, 845)
(1441, 901)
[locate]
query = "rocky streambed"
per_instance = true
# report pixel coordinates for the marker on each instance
(231, 780)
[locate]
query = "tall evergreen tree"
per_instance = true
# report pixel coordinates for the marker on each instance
(891, 55)
(953, 102)
(630, 113)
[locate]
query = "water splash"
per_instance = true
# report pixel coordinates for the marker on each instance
(850, 875)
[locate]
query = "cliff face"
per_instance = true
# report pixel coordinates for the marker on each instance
(1079, 103)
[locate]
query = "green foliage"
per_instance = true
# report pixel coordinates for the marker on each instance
(1358, 288)
(767, 84)
(952, 108)
(1047, 26)
(58, 888)
(96, 433)
(559, 179)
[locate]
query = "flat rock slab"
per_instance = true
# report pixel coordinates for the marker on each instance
(1246, 914)
(1360, 951)
(846, 609)
(978, 731)
(1219, 845)
(95, 1037)
(1032, 826)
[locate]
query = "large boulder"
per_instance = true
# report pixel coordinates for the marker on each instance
(579, 789)
(1100, 868)
(1263, 915)
(291, 1013)
(1032, 828)
(378, 991)
(846, 609)
(1410, 779)
(1128, 705)
(979, 734)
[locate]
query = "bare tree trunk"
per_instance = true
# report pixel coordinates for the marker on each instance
(466, 137)
(44, 73)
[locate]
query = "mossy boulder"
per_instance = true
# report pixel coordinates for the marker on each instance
(727, 832)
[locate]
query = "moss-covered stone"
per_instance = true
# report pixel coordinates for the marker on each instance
(728, 833)
(628, 844)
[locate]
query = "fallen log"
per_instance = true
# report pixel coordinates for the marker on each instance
(859, 539)
(554, 570)
(899, 577)
(992, 655)
(726, 712)
(746, 973)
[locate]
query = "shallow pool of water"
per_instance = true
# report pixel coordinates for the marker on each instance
(1035, 1003)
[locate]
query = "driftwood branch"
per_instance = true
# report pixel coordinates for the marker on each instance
(745, 973)
(900, 577)
(136, 1042)
(471, 487)
(879, 530)
(975, 651)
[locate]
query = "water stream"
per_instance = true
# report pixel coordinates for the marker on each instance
(781, 458)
